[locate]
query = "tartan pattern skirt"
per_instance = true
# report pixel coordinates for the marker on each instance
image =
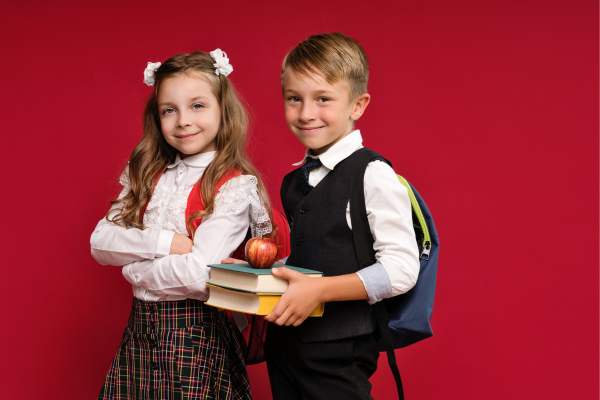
(177, 350)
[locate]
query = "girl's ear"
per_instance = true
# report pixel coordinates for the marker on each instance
(360, 105)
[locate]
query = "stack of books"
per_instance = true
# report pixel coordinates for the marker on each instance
(239, 287)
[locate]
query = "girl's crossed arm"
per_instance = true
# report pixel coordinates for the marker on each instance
(216, 238)
(114, 244)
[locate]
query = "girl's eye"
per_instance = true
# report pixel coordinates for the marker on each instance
(197, 106)
(168, 111)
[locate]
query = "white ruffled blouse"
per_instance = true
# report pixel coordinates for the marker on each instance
(144, 254)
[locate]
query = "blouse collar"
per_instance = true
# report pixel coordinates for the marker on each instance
(197, 160)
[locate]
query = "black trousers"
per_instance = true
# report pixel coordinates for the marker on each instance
(332, 370)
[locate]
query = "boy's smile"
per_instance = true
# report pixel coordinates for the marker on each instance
(318, 113)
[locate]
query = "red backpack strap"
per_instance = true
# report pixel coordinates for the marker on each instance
(282, 234)
(282, 238)
(252, 338)
(195, 202)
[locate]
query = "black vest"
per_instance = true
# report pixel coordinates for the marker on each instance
(321, 240)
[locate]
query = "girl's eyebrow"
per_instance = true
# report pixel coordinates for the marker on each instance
(168, 103)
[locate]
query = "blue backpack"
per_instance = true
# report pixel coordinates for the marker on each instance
(404, 319)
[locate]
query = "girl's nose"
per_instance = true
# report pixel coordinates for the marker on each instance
(183, 120)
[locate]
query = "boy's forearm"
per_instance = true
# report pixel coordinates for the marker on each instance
(340, 288)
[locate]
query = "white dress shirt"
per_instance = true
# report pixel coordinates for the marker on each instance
(144, 254)
(390, 219)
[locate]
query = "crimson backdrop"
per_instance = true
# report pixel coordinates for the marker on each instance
(490, 108)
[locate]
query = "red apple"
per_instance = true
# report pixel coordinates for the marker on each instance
(261, 252)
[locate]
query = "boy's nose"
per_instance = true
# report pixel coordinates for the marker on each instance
(307, 113)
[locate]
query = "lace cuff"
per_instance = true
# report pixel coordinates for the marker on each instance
(240, 193)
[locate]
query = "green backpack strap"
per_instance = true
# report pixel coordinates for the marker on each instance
(415, 205)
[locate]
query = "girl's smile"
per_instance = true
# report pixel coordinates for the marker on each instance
(185, 137)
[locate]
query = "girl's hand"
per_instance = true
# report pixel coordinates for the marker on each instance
(302, 296)
(181, 244)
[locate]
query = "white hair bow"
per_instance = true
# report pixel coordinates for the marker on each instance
(149, 73)
(221, 64)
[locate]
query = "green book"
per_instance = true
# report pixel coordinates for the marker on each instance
(243, 277)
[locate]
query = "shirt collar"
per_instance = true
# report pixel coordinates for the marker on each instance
(338, 152)
(197, 160)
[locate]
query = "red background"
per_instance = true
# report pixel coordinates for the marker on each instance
(490, 108)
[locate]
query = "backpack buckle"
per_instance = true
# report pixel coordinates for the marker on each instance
(425, 252)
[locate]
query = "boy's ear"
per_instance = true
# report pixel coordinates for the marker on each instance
(360, 105)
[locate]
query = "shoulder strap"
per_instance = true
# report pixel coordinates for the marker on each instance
(195, 201)
(363, 242)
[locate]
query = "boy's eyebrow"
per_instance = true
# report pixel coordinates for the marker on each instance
(316, 92)
(324, 92)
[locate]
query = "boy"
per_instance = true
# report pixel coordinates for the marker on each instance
(324, 84)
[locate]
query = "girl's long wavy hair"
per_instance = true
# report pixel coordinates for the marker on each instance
(153, 154)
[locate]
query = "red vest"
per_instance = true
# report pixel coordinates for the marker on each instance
(194, 203)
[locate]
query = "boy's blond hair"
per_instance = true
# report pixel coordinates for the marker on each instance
(335, 56)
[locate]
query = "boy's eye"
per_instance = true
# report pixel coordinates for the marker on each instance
(323, 99)
(197, 106)
(294, 99)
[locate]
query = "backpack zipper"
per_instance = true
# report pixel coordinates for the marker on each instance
(415, 205)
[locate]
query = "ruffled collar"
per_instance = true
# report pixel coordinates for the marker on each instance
(200, 160)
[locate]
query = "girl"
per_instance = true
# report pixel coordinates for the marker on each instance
(189, 167)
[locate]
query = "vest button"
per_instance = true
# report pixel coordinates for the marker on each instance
(154, 366)
(303, 209)
(298, 241)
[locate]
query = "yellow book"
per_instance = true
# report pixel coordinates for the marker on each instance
(248, 302)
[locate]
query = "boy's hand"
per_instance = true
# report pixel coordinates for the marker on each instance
(236, 261)
(181, 244)
(299, 300)
(233, 261)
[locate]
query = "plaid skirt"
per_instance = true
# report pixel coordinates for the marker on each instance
(177, 350)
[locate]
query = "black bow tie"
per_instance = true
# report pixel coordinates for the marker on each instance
(303, 172)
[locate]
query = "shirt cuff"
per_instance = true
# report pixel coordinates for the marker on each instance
(164, 243)
(284, 260)
(377, 282)
(126, 273)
